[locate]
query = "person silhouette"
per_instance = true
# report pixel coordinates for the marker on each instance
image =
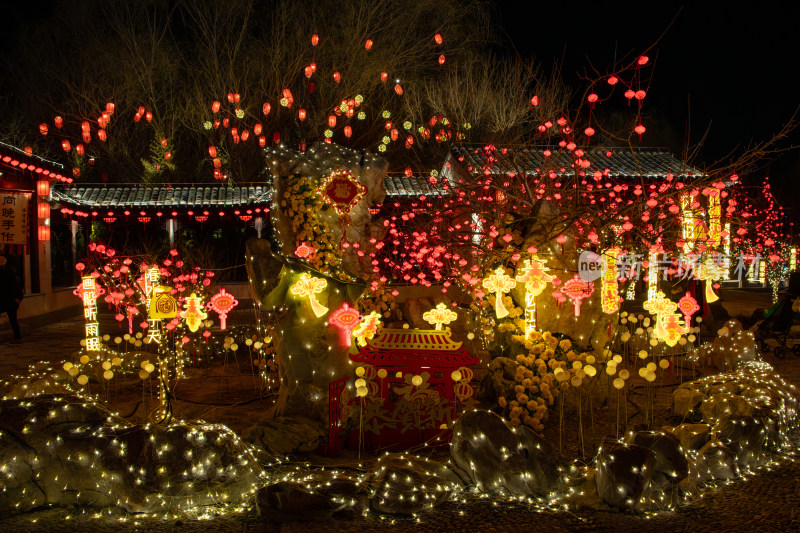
(10, 295)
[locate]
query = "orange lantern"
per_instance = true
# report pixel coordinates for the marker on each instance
(441, 59)
(257, 129)
(58, 121)
(148, 116)
(212, 151)
(262, 141)
(140, 110)
(266, 108)
(43, 128)
(84, 126)
(87, 137)
(314, 40)
(43, 210)
(398, 89)
(348, 131)
(438, 38)
(384, 76)
(301, 114)
(79, 149)
(110, 107)
(368, 44)
(337, 77)
(332, 121)
(245, 135)
(308, 72)
(65, 145)
(43, 188)
(44, 233)
(102, 135)
(215, 106)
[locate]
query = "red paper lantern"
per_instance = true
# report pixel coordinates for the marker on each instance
(384, 76)
(438, 38)
(441, 59)
(102, 135)
(44, 233)
(337, 77)
(215, 106)
(301, 114)
(43, 128)
(212, 151)
(262, 141)
(65, 145)
(276, 137)
(257, 129)
(314, 40)
(58, 121)
(398, 89)
(348, 131)
(332, 121)
(368, 44)
(43, 188)
(266, 108)
(43, 210)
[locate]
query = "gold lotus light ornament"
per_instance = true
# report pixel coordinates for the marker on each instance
(309, 286)
(439, 315)
(499, 283)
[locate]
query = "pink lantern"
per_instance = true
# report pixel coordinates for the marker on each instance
(222, 303)
(577, 290)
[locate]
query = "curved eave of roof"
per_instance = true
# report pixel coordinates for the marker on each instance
(655, 164)
(166, 197)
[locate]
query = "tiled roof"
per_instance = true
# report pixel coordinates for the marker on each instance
(163, 196)
(621, 164)
(398, 186)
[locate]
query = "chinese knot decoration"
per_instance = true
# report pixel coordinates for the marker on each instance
(345, 318)
(222, 303)
(342, 191)
(439, 315)
(577, 290)
(194, 314)
(309, 286)
(367, 328)
(499, 283)
(688, 306)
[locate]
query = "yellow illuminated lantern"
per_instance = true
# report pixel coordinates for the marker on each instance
(162, 304)
(609, 294)
(534, 274)
(439, 315)
(309, 286)
(499, 283)
(193, 312)
(710, 271)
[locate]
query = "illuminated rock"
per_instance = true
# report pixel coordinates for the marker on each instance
(692, 436)
(713, 461)
(623, 472)
(407, 484)
(494, 456)
(286, 435)
(339, 497)
(685, 400)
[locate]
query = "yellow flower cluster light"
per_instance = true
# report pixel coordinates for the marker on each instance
(302, 206)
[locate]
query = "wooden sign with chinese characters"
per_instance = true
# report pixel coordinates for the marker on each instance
(14, 218)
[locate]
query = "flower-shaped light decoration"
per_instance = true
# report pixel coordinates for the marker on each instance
(303, 250)
(193, 312)
(367, 328)
(688, 306)
(710, 271)
(309, 286)
(342, 191)
(345, 318)
(222, 303)
(439, 315)
(499, 283)
(576, 289)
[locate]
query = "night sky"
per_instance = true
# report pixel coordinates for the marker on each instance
(737, 66)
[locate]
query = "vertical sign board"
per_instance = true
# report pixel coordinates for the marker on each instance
(14, 219)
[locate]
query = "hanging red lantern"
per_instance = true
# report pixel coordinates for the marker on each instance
(314, 40)
(167, 155)
(266, 108)
(102, 121)
(262, 141)
(148, 116)
(43, 210)
(65, 145)
(237, 97)
(332, 121)
(226, 122)
(137, 117)
(212, 151)
(140, 110)
(640, 94)
(303, 147)
(311, 87)
(643, 60)
(215, 106)
(337, 77)
(394, 134)
(640, 129)
(592, 98)
(257, 129)
(589, 131)
(245, 135)
(230, 97)
(102, 135)
(348, 131)
(629, 94)
(58, 121)
(441, 59)
(217, 162)
(301, 114)
(79, 149)
(87, 137)
(398, 89)
(43, 128)
(438, 38)
(85, 126)
(44, 233)
(384, 76)
(76, 172)
(612, 80)
(43, 188)
(368, 44)
(534, 101)
(110, 108)
(276, 137)
(308, 72)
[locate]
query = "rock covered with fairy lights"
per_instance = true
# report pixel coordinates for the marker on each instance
(407, 484)
(670, 467)
(284, 436)
(622, 474)
(66, 451)
(339, 497)
(495, 456)
(713, 461)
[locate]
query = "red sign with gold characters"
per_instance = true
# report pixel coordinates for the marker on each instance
(341, 190)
